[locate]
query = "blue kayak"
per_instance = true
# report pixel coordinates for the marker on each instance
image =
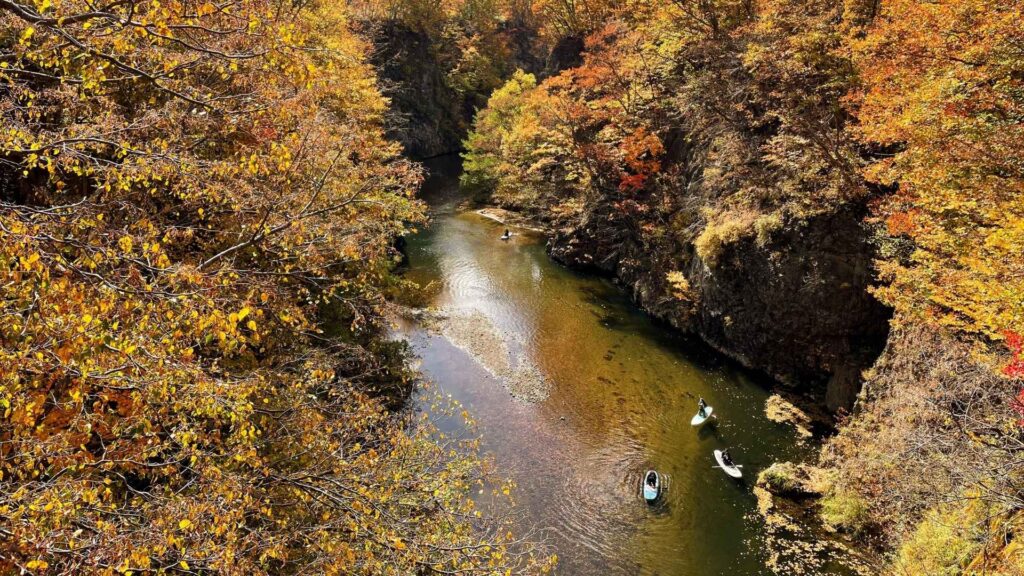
(652, 486)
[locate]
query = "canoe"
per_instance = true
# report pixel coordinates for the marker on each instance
(651, 492)
(697, 419)
(733, 471)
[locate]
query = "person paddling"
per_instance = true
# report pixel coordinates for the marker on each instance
(702, 407)
(507, 235)
(727, 458)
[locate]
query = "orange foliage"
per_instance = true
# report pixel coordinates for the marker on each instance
(942, 81)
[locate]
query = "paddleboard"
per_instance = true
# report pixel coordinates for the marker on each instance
(730, 470)
(697, 419)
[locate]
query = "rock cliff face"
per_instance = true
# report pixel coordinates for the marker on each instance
(796, 307)
(428, 117)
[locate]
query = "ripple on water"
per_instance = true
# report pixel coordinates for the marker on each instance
(464, 281)
(598, 508)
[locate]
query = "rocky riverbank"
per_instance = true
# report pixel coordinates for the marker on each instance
(794, 305)
(492, 349)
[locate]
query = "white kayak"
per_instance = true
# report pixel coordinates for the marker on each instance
(733, 471)
(697, 419)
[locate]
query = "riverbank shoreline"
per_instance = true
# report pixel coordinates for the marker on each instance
(512, 218)
(807, 413)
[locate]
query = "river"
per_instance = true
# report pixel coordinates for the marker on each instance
(620, 394)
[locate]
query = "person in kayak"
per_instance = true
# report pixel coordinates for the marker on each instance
(507, 235)
(727, 458)
(652, 480)
(701, 407)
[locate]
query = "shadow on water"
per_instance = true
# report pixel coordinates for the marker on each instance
(622, 392)
(709, 430)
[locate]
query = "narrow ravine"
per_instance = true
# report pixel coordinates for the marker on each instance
(606, 395)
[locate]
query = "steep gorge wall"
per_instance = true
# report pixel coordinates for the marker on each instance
(795, 306)
(427, 116)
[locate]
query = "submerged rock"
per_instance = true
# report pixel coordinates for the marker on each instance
(778, 409)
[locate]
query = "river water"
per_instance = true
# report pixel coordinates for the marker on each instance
(622, 391)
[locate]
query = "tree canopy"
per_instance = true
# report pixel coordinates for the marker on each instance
(188, 192)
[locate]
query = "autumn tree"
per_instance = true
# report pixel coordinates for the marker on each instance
(939, 107)
(942, 89)
(188, 192)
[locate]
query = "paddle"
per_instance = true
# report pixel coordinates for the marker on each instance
(736, 466)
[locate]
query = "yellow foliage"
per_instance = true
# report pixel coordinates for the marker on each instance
(942, 79)
(190, 191)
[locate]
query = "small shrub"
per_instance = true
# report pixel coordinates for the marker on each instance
(720, 232)
(844, 510)
(765, 225)
(782, 478)
(681, 289)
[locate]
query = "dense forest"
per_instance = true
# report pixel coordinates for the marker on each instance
(198, 209)
(200, 212)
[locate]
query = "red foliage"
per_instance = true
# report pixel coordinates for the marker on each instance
(632, 182)
(901, 223)
(1015, 368)
(640, 150)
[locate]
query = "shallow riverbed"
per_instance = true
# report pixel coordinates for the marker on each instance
(576, 393)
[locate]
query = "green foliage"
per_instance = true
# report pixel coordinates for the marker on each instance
(484, 157)
(516, 152)
(781, 478)
(946, 540)
(845, 510)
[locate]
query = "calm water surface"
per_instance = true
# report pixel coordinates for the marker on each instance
(623, 391)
